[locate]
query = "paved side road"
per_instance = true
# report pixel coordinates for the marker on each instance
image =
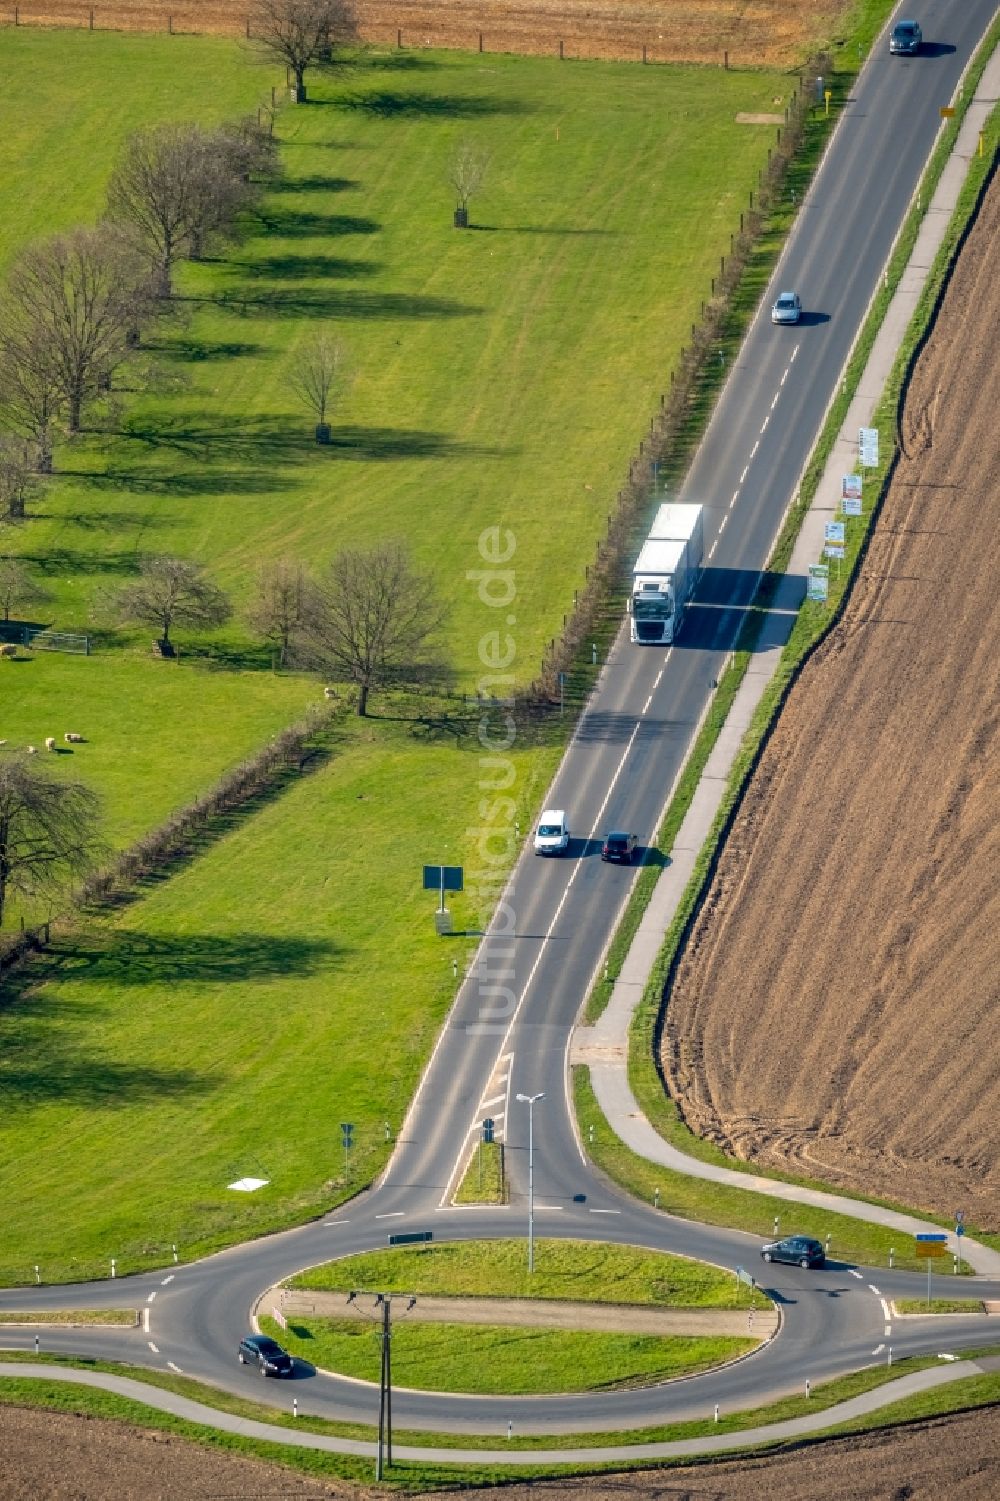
(604, 1046)
(812, 1422)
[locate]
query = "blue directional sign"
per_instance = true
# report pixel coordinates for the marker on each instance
(928, 1235)
(960, 1228)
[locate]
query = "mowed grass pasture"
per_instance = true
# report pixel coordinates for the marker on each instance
(288, 978)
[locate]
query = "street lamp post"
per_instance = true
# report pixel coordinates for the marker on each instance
(530, 1100)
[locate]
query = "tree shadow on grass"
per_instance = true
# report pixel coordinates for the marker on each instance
(307, 303)
(234, 438)
(402, 443)
(191, 351)
(306, 267)
(390, 104)
(316, 182)
(290, 223)
(196, 482)
(41, 1057)
(69, 562)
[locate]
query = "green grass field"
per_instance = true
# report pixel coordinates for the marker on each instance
(564, 1269)
(290, 977)
(502, 1359)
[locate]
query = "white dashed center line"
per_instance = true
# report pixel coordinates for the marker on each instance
(647, 703)
(774, 403)
(167, 1279)
(746, 471)
(763, 426)
(857, 1274)
(605, 1211)
(785, 376)
(794, 353)
(175, 1368)
(754, 449)
(151, 1296)
(155, 1348)
(397, 1214)
(878, 1349)
(873, 1289)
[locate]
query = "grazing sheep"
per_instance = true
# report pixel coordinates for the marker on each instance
(8, 649)
(32, 750)
(72, 739)
(50, 742)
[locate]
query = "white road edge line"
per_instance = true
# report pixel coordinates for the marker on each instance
(145, 1320)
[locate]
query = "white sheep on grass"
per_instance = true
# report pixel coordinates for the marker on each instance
(72, 739)
(50, 742)
(32, 750)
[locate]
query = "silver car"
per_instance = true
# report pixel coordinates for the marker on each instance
(787, 309)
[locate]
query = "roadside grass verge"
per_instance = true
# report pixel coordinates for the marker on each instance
(502, 1359)
(938, 1305)
(564, 1269)
(70, 1317)
(484, 1181)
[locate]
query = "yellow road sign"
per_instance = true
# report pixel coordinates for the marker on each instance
(931, 1248)
(947, 112)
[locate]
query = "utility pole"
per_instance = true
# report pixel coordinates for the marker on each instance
(382, 1311)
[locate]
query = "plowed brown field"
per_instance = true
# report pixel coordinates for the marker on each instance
(835, 1011)
(772, 33)
(57, 1457)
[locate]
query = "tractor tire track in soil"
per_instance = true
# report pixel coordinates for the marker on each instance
(835, 1010)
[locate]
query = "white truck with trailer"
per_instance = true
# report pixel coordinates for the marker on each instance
(666, 572)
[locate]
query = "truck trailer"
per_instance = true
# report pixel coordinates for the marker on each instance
(665, 573)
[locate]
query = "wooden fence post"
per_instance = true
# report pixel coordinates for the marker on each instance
(560, 48)
(399, 37)
(480, 41)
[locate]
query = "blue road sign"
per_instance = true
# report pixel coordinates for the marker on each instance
(926, 1235)
(443, 877)
(960, 1228)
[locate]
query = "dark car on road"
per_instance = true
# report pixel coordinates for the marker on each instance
(619, 847)
(266, 1354)
(795, 1250)
(905, 39)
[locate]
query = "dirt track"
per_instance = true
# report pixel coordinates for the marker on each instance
(836, 1010)
(776, 33)
(59, 1457)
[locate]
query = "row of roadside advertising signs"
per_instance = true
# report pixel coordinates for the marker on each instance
(835, 540)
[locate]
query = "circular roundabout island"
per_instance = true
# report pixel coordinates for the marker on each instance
(468, 1317)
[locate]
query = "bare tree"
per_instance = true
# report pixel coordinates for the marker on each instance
(17, 586)
(169, 592)
(300, 33)
(48, 830)
(72, 301)
(31, 395)
(467, 169)
(279, 611)
(319, 375)
(371, 618)
(16, 477)
(177, 186)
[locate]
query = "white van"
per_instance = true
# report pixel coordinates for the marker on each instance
(552, 834)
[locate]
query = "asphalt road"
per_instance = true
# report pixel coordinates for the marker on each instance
(617, 773)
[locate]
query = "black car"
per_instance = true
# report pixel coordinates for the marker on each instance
(620, 847)
(905, 38)
(796, 1250)
(266, 1354)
